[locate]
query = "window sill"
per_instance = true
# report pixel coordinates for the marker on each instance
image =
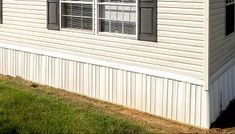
(100, 34)
(123, 36)
(77, 30)
(229, 36)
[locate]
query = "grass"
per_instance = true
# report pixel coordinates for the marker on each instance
(28, 110)
(26, 107)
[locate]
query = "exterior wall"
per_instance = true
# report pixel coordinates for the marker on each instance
(180, 29)
(177, 100)
(164, 78)
(222, 48)
(221, 60)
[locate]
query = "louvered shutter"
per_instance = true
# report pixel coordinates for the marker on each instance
(0, 11)
(53, 15)
(148, 20)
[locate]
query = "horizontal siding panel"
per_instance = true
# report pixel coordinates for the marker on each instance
(113, 45)
(32, 6)
(24, 11)
(188, 36)
(180, 22)
(181, 4)
(128, 62)
(149, 62)
(181, 29)
(222, 48)
(181, 11)
(29, 16)
(25, 19)
(180, 16)
(194, 50)
(180, 36)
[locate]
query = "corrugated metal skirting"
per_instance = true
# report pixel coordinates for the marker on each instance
(222, 92)
(177, 100)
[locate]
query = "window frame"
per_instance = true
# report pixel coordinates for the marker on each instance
(73, 29)
(95, 19)
(118, 34)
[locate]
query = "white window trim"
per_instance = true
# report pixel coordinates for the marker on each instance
(95, 19)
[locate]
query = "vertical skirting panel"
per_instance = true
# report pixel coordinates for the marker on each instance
(222, 91)
(176, 100)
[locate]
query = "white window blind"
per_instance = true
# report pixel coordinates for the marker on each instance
(117, 16)
(77, 14)
(100, 16)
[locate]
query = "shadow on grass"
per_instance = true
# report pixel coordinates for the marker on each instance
(8, 131)
(5, 126)
(227, 118)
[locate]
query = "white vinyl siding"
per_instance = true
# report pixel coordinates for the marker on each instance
(222, 47)
(180, 33)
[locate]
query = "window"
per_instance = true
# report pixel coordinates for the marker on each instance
(117, 16)
(122, 18)
(77, 14)
(229, 16)
(114, 16)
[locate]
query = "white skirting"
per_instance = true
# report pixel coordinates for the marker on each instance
(174, 99)
(222, 89)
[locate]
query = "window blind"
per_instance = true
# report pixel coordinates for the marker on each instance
(77, 14)
(117, 16)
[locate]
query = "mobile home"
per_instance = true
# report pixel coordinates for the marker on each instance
(169, 58)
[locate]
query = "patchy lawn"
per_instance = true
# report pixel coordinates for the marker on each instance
(23, 110)
(26, 107)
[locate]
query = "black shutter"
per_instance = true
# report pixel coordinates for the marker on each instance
(148, 20)
(53, 15)
(0, 11)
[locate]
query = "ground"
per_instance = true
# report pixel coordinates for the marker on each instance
(32, 108)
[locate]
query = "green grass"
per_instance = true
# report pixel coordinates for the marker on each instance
(24, 110)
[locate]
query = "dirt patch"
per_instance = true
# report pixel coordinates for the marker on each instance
(224, 124)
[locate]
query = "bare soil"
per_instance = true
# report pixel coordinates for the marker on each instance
(224, 124)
